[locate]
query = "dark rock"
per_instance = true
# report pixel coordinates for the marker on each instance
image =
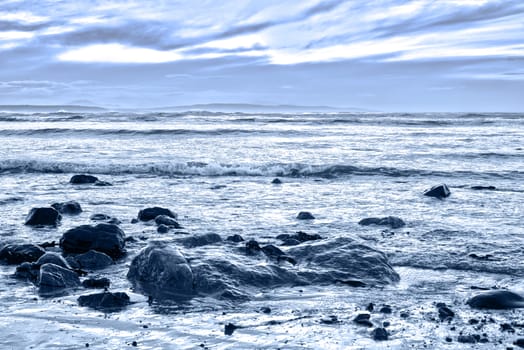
(449, 339)
(500, 299)
(105, 238)
(386, 309)
(386, 324)
(70, 207)
(162, 229)
(134, 343)
(305, 215)
(506, 327)
(444, 312)
(352, 283)
(305, 237)
(363, 320)
(404, 315)
(83, 179)
(103, 183)
(291, 242)
(331, 319)
(391, 221)
(229, 329)
(162, 272)
(167, 221)
(43, 217)
(265, 309)
(53, 277)
(151, 213)
(380, 334)
(52, 258)
(217, 187)
(235, 238)
(252, 247)
(370, 307)
(276, 181)
(19, 253)
(272, 251)
(438, 191)
(479, 188)
(106, 301)
(114, 221)
(93, 260)
(96, 283)
(134, 221)
(519, 342)
(200, 240)
(467, 339)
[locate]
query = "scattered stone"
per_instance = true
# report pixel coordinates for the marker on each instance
(404, 315)
(519, 342)
(379, 334)
(96, 283)
(291, 242)
(100, 217)
(106, 301)
(167, 221)
(332, 319)
(506, 327)
(386, 324)
(467, 339)
(305, 215)
(438, 191)
(217, 187)
(93, 260)
(352, 283)
(83, 179)
(370, 307)
(252, 247)
(449, 339)
(235, 238)
(391, 221)
(151, 213)
(134, 221)
(19, 253)
(53, 277)
(276, 181)
(299, 237)
(265, 309)
(105, 238)
(479, 188)
(363, 320)
(70, 207)
(386, 309)
(200, 240)
(27, 271)
(43, 217)
(134, 343)
(444, 312)
(162, 229)
(500, 299)
(229, 329)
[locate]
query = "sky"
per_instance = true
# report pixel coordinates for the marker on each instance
(386, 55)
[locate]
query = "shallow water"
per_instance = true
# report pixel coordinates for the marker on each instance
(215, 170)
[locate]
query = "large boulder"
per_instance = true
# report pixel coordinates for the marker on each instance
(105, 238)
(391, 221)
(52, 258)
(500, 299)
(43, 217)
(162, 272)
(19, 253)
(151, 213)
(70, 207)
(53, 277)
(438, 191)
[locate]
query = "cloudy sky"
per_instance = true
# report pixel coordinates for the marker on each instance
(390, 55)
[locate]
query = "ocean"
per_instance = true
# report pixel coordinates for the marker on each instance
(215, 170)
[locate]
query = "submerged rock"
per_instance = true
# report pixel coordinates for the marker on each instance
(27, 271)
(70, 207)
(298, 238)
(83, 179)
(200, 240)
(167, 221)
(100, 217)
(96, 283)
(500, 299)
(162, 229)
(479, 188)
(235, 238)
(391, 221)
(19, 253)
(53, 277)
(151, 213)
(105, 238)
(105, 301)
(438, 191)
(305, 215)
(276, 181)
(93, 260)
(43, 217)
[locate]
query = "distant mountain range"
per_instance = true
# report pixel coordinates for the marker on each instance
(211, 107)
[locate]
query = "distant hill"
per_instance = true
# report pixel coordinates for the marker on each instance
(246, 107)
(49, 108)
